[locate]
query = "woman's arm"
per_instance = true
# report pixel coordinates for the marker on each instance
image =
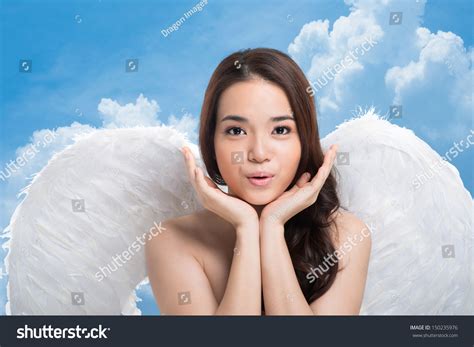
(281, 290)
(243, 291)
(181, 286)
(175, 273)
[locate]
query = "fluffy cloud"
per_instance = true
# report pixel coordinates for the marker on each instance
(440, 53)
(407, 64)
(187, 124)
(312, 40)
(142, 112)
(333, 58)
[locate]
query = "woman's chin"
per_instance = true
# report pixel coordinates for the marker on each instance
(258, 198)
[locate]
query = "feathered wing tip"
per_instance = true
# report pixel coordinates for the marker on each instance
(420, 215)
(76, 241)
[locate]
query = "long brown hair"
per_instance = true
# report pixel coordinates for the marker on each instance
(307, 234)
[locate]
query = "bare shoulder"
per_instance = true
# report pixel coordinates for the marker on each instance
(177, 233)
(175, 266)
(352, 243)
(192, 234)
(349, 223)
(187, 228)
(351, 231)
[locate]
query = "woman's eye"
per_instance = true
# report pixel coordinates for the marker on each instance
(283, 128)
(234, 131)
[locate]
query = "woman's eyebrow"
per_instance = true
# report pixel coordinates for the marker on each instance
(245, 120)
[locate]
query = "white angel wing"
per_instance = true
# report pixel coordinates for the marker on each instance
(420, 215)
(76, 240)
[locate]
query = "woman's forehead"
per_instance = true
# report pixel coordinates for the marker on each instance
(255, 100)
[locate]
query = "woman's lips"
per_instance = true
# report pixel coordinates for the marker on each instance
(260, 182)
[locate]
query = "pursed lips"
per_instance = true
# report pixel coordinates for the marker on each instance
(260, 178)
(260, 174)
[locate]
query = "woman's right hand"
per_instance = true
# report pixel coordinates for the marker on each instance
(234, 210)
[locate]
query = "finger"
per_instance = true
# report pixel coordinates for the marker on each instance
(332, 149)
(192, 172)
(305, 177)
(190, 166)
(325, 169)
(193, 166)
(210, 182)
(202, 184)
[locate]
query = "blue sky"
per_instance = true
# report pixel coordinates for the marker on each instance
(78, 51)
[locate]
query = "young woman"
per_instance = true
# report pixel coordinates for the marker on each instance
(254, 249)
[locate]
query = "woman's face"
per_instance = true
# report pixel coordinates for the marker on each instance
(256, 135)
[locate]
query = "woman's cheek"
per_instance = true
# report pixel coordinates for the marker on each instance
(228, 167)
(291, 162)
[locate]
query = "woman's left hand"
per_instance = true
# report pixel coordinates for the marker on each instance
(302, 195)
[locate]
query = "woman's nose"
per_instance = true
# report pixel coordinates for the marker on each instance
(258, 150)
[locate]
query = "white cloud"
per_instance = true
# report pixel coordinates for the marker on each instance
(408, 64)
(323, 49)
(187, 124)
(326, 104)
(143, 112)
(312, 39)
(440, 53)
